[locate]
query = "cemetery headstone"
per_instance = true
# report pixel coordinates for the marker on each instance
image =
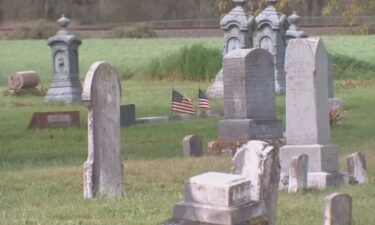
(23, 80)
(238, 32)
(307, 119)
(233, 199)
(103, 169)
(259, 162)
(357, 167)
(66, 86)
(338, 209)
(249, 97)
(41, 120)
(192, 145)
(127, 115)
(298, 173)
(270, 35)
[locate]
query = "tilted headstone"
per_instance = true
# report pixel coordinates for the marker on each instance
(233, 199)
(249, 97)
(338, 209)
(298, 173)
(259, 162)
(103, 169)
(238, 32)
(192, 146)
(357, 167)
(307, 119)
(270, 33)
(66, 86)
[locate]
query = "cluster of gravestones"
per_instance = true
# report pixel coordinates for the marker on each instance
(249, 195)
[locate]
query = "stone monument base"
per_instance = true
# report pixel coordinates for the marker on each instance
(321, 158)
(325, 179)
(64, 94)
(235, 215)
(248, 129)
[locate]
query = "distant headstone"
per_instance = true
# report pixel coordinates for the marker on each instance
(338, 209)
(270, 35)
(192, 145)
(41, 120)
(298, 173)
(127, 115)
(103, 170)
(238, 32)
(357, 167)
(259, 162)
(66, 86)
(307, 119)
(23, 80)
(249, 97)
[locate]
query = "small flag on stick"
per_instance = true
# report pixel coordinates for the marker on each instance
(203, 102)
(182, 104)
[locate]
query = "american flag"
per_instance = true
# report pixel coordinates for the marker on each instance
(203, 102)
(182, 104)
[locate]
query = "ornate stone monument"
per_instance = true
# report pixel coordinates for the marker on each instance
(103, 170)
(238, 33)
(270, 32)
(65, 86)
(249, 96)
(307, 119)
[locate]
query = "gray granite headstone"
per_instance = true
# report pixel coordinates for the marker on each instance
(127, 115)
(270, 33)
(238, 32)
(298, 173)
(66, 86)
(338, 209)
(307, 119)
(249, 97)
(357, 167)
(259, 162)
(103, 169)
(192, 145)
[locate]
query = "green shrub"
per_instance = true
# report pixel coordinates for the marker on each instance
(195, 62)
(141, 31)
(346, 67)
(39, 29)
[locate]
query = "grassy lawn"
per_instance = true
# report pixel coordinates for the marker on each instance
(41, 172)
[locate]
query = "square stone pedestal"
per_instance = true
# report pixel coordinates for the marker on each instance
(324, 179)
(247, 129)
(321, 158)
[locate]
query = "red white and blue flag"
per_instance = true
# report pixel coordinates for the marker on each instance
(203, 102)
(182, 104)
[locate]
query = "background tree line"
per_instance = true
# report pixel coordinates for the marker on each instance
(107, 11)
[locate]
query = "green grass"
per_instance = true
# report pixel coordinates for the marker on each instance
(41, 172)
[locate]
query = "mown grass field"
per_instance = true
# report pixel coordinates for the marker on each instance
(41, 172)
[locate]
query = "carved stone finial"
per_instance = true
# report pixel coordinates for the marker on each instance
(294, 19)
(63, 22)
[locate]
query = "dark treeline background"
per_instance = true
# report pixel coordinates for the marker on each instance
(108, 11)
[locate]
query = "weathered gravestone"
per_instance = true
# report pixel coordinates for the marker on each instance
(127, 115)
(103, 170)
(41, 120)
(270, 33)
(307, 119)
(233, 199)
(66, 86)
(237, 27)
(338, 209)
(192, 146)
(357, 167)
(298, 173)
(249, 97)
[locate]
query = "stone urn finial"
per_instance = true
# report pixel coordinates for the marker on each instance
(63, 22)
(294, 19)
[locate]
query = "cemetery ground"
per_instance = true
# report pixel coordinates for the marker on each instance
(41, 170)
